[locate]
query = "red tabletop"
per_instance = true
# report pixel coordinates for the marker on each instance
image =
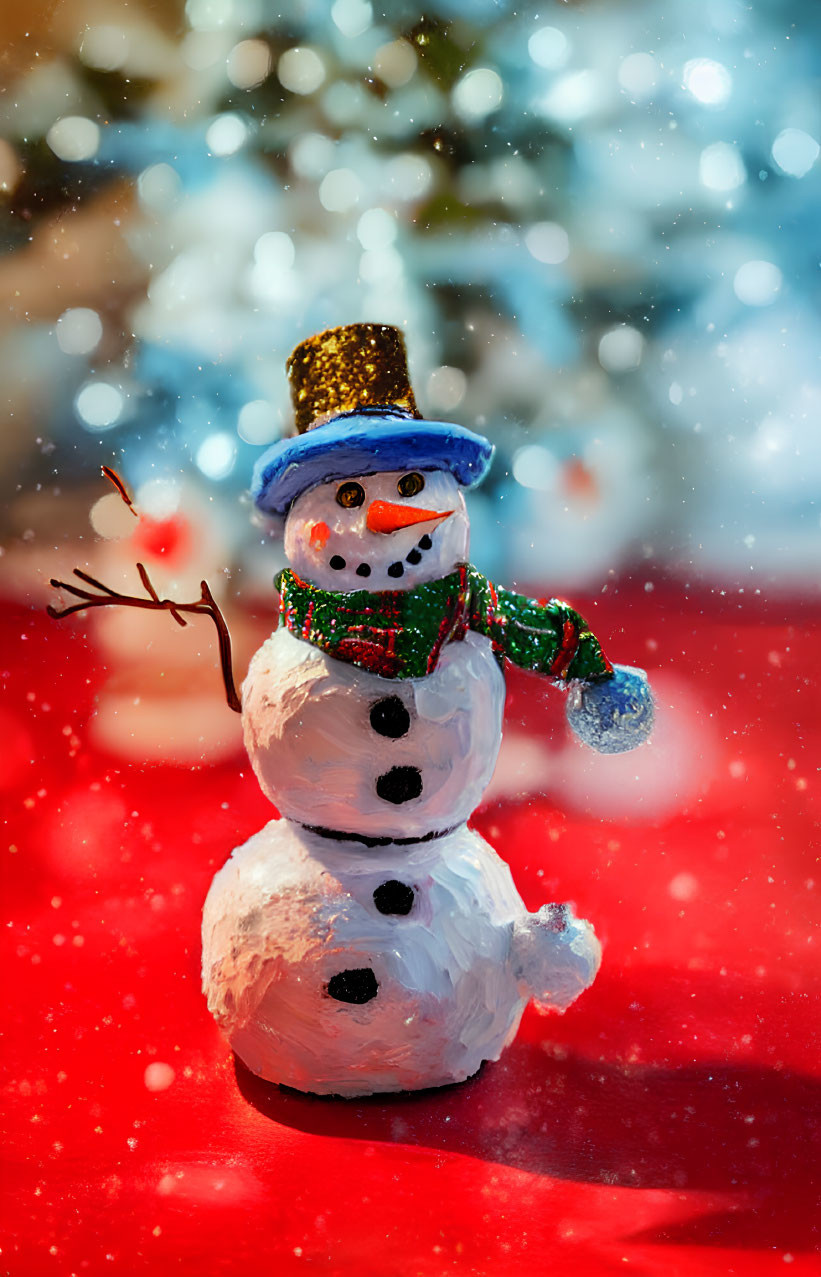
(667, 1124)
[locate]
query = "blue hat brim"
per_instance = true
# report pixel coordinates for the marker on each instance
(366, 444)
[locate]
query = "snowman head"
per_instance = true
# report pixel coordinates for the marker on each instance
(371, 491)
(386, 531)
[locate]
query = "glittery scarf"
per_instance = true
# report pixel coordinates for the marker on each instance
(393, 633)
(400, 633)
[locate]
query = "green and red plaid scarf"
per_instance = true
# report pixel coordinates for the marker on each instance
(400, 633)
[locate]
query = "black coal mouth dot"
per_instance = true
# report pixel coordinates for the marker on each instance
(415, 555)
(396, 569)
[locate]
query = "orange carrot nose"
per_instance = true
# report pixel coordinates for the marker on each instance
(388, 516)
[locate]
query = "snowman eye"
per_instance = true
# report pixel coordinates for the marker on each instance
(410, 484)
(350, 495)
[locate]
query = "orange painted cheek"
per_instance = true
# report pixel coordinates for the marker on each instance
(318, 535)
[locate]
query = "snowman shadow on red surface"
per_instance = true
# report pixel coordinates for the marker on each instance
(744, 1131)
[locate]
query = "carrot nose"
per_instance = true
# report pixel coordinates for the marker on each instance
(388, 516)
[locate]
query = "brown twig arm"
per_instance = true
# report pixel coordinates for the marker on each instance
(206, 604)
(224, 638)
(114, 478)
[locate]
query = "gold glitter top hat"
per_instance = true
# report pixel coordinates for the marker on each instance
(356, 415)
(350, 369)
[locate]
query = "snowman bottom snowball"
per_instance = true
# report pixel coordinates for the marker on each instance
(344, 970)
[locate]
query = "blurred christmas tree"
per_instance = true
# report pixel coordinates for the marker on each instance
(596, 224)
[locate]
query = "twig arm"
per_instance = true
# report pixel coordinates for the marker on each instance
(206, 604)
(224, 638)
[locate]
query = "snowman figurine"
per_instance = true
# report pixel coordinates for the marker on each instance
(368, 940)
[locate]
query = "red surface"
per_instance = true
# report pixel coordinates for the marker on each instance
(668, 1124)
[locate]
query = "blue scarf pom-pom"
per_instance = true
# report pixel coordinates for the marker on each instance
(614, 715)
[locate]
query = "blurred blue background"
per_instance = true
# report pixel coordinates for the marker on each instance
(597, 225)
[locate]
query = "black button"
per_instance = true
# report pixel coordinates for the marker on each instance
(399, 785)
(364, 569)
(390, 718)
(337, 562)
(394, 897)
(413, 557)
(395, 569)
(358, 985)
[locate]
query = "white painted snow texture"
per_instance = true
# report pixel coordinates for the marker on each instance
(290, 910)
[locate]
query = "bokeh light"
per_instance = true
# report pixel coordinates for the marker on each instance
(79, 331)
(301, 70)
(548, 243)
(104, 47)
(549, 47)
(478, 94)
(446, 388)
(395, 63)
(620, 349)
(639, 74)
(227, 134)
(352, 17)
(340, 190)
(590, 227)
(795, 152)
(74, 138)
(709, 82)
(99, 405)
(216, 455)
(257, 422)
(757, 283)
(249, 63)
(721, 167)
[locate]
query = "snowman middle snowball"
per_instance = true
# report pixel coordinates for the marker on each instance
(368, 940)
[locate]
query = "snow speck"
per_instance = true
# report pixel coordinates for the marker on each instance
(683, 887)
(158, 1076)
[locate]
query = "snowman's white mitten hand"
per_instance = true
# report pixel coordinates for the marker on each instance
(614, 715)
(555, 955)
